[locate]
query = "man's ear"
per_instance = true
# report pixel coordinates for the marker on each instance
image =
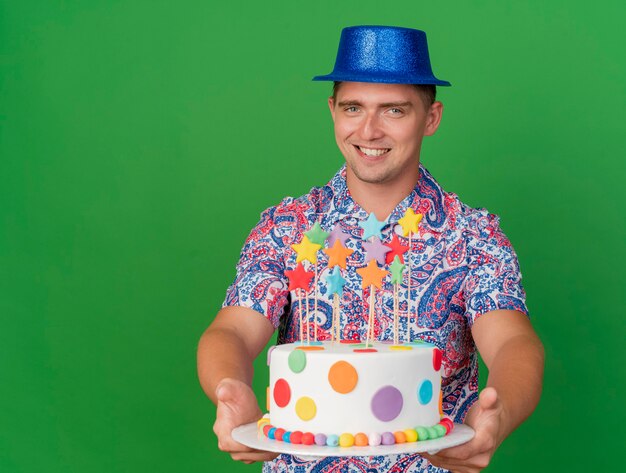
(433, 118)
(331, 106)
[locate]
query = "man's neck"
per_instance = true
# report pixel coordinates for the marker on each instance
(381, 199)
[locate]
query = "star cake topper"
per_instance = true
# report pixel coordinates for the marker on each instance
(317, 235)
(371, 227)
(299, 278)
(396, 270)
(372, 275)
(306, 250)
(337, 255)
(396, 249)
(335, 282)
(375, 250)
(410, 222)
(337, 234)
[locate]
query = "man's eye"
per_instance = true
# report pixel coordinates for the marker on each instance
(396, 111)
(352, 109)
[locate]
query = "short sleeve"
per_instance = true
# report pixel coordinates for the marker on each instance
(494, 280)
(260, 283)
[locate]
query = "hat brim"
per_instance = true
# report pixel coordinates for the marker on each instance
(381, 79)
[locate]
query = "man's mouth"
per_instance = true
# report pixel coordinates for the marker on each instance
(372, 152)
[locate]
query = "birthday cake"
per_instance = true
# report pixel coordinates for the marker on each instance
(338, 393)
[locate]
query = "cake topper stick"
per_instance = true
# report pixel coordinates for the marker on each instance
(370, 319)
(337, 256)
(336, 319)
(396, 279)
(372, 277)
(410, 224)
(316, 236)
(408, 305)
(308, 319)
(307, 251)
(299, 280)
(299, 299)
(315, 308)
(335, 287)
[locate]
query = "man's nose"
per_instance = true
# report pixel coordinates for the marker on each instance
(371, 128)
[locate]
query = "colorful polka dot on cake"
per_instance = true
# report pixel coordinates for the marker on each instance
(343, 377)
(387, 403)
(309, 348)
(400, 348)
(305, 408)
(297, 361)
(425, 393)
(437, 359)
(282, 393)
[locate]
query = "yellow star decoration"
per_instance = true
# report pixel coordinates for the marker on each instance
(410, 222)
(337, 254)
(372, 275)
(306, 250)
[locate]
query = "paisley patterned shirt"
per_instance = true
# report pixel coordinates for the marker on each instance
(462, 266)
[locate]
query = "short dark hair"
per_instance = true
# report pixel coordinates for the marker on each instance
(428, 92)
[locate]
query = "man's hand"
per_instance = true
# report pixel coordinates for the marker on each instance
(486, 417)
(237, 405)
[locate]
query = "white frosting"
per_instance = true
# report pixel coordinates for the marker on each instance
(338, 413)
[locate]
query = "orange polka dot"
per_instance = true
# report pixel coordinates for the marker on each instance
(310, 348)
(441, 403)
(343, 377)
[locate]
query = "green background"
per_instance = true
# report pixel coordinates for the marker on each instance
(140, 140)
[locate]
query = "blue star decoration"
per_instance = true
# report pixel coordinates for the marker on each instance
(371, 227)
(335, 282)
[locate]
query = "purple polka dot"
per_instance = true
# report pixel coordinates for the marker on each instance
(387, 403)
(320, 439)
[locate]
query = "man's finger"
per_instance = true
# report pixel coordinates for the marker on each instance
(488, 398)
(478, 445)
(256, 456)
(226, 444)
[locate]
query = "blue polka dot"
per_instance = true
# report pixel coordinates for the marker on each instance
(425, 392)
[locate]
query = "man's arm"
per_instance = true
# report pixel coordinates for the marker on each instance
(226, 352)
(514, 356)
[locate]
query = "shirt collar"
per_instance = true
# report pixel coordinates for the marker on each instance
(427, 198)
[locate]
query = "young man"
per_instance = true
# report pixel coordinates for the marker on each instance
(466, 279)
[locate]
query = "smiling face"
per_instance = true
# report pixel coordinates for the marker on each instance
(379, 129)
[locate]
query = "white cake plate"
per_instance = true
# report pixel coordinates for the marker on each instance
(250, 436)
